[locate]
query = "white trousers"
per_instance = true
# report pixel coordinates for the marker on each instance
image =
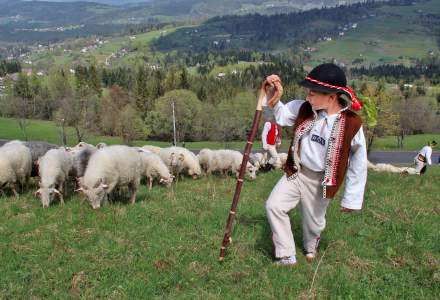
(305, 189)
(274, 159)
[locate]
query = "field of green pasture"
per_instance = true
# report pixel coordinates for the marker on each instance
(166, 245)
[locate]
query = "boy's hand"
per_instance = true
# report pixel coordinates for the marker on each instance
(273, 89)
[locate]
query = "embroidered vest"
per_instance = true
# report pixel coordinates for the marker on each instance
(345, 127)
(273, 133)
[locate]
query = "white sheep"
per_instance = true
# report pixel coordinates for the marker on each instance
(108, 168)
(230, 160)
(38, 149)
(151, 148)
(101, 145)
(205, 157)
(181, 160)
(154, 167)
(386, 168)
(283, 158)
(15, 165)
(258, 160)
(54, 168)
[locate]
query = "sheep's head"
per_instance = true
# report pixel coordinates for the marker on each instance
(251, 171)
(96, 194)
(167, 181)
(47, 195)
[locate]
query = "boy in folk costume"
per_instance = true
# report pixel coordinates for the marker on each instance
(422, 160)
(271, 139)
(328, 145)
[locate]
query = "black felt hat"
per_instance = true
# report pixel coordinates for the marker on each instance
(329, 74)
(329, 78)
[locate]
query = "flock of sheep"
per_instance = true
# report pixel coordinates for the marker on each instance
(99, 171)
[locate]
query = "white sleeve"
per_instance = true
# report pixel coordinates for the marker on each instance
(266, 129)
(428, 155)
(286, 114)
(356, 176)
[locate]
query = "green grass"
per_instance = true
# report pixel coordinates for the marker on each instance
(382, 39)
(166, 245)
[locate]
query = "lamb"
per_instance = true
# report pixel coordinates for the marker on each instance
(108, 168)
(230, 160)
(179, 160)
(54, 168)
(15, 165)
(154, 167)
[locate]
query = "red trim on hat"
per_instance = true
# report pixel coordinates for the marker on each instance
(355, 103)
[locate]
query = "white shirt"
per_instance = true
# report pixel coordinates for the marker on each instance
(426, 152)
(314, 148)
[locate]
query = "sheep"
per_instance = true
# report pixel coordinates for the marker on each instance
(283, 158)
(205, 157)
(15, 165)
(387, 168)
(101, 145)
(54, 168)
(108, 168)
(81, 154)
(38, 149)
(181, 160)
(258, 160)
(230, 160)
(154, 167)
(151, 148)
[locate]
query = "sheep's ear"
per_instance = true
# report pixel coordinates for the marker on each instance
(57, 192)
(181, 157)
(37, 193)
(81, 189)
(161, 180)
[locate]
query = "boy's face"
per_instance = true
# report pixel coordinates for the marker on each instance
(320, 100)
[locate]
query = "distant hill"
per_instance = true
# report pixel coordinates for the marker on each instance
(40, 21)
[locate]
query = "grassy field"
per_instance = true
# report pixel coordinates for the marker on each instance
(47, 131)
(392, 38)
(166, 245)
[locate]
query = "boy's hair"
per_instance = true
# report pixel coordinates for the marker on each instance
(433, 143)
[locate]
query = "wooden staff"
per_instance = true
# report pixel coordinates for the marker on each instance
(247, 150)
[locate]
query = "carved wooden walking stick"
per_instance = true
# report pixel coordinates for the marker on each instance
(247, 150)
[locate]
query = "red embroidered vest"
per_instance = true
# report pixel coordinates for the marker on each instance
(346, 125)
(273, 133)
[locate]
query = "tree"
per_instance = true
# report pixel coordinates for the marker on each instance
(23, 96)
(187, 109)
(235, 116)
(130, 125)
